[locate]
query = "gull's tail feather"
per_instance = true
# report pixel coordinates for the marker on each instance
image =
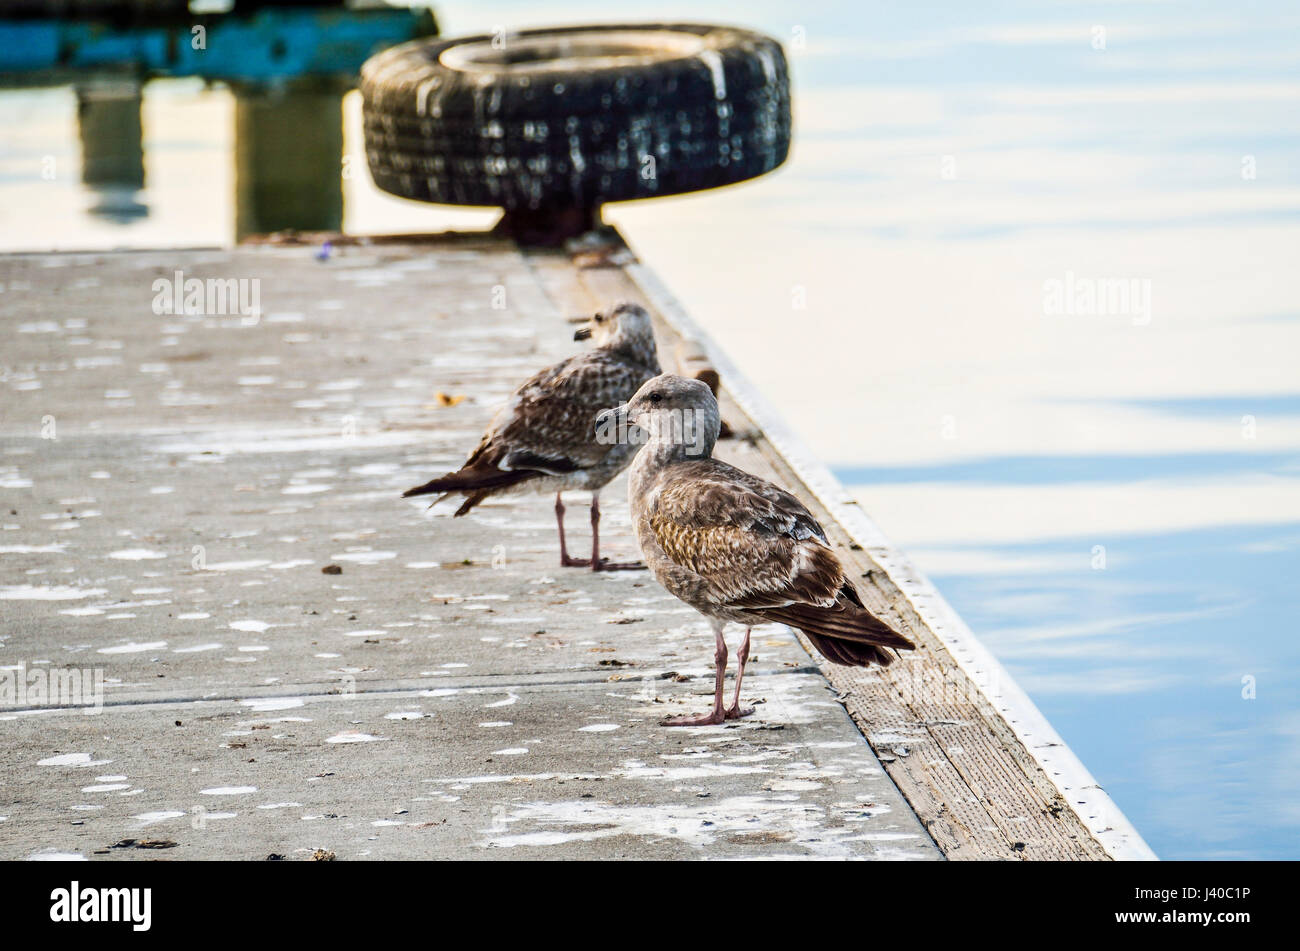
(849, 654)
(844, 633)
(469, 503)
(844, 621)
(476, 484)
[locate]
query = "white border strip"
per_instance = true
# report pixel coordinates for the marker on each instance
(1096, 810)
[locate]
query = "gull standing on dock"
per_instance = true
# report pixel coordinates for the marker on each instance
(544, 439)
(733, 546)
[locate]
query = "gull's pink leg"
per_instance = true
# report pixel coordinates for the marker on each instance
(736, 711)
(717, 714)
(565, 560)
(596, 563)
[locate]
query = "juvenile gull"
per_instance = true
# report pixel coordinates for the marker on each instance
(544, 439)
(733, 546)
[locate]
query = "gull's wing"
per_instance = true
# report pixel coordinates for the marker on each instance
(759, 550)
(751, 541)
(549, 425)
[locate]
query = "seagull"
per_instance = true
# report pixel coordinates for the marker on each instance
(733, 546)
(545, 440)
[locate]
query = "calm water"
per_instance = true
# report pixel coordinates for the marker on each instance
(1110, 497)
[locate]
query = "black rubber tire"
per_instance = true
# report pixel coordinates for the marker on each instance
(461, 122)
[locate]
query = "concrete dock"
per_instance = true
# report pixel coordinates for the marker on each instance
(204, 510)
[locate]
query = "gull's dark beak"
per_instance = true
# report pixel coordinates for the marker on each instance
(582, 333)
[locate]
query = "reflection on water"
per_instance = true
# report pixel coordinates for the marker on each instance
(1143, 666)
(288, 159)
(112, 147)
(1113, 504)
(112, 163)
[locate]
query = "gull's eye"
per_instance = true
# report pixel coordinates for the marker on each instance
(599, 318)
(656, 397)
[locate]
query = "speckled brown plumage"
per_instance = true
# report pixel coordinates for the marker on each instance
(756, 554)
(736, 547)
(544, 438)
(549, 425)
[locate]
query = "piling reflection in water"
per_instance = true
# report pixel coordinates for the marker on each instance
(288, 158)
(287, 63)
(288, 145)
(112, 147)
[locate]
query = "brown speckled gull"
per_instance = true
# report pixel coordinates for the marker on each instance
(544, 439)
(733, 546)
